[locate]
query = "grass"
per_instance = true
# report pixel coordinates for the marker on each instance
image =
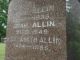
(2, 51)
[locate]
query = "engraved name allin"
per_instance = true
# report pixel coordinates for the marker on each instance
(35, 30)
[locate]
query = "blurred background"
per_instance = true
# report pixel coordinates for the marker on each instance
(3, 18)
(3, 25)
(73, 28)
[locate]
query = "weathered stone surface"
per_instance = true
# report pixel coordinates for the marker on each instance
(36, 30)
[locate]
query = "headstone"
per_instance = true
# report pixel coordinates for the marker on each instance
(36, 30)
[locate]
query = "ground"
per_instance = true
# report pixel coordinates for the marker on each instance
(2, 51)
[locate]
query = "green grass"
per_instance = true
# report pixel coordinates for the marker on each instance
(2, 51)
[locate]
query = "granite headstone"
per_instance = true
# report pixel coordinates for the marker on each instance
(36, 30)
